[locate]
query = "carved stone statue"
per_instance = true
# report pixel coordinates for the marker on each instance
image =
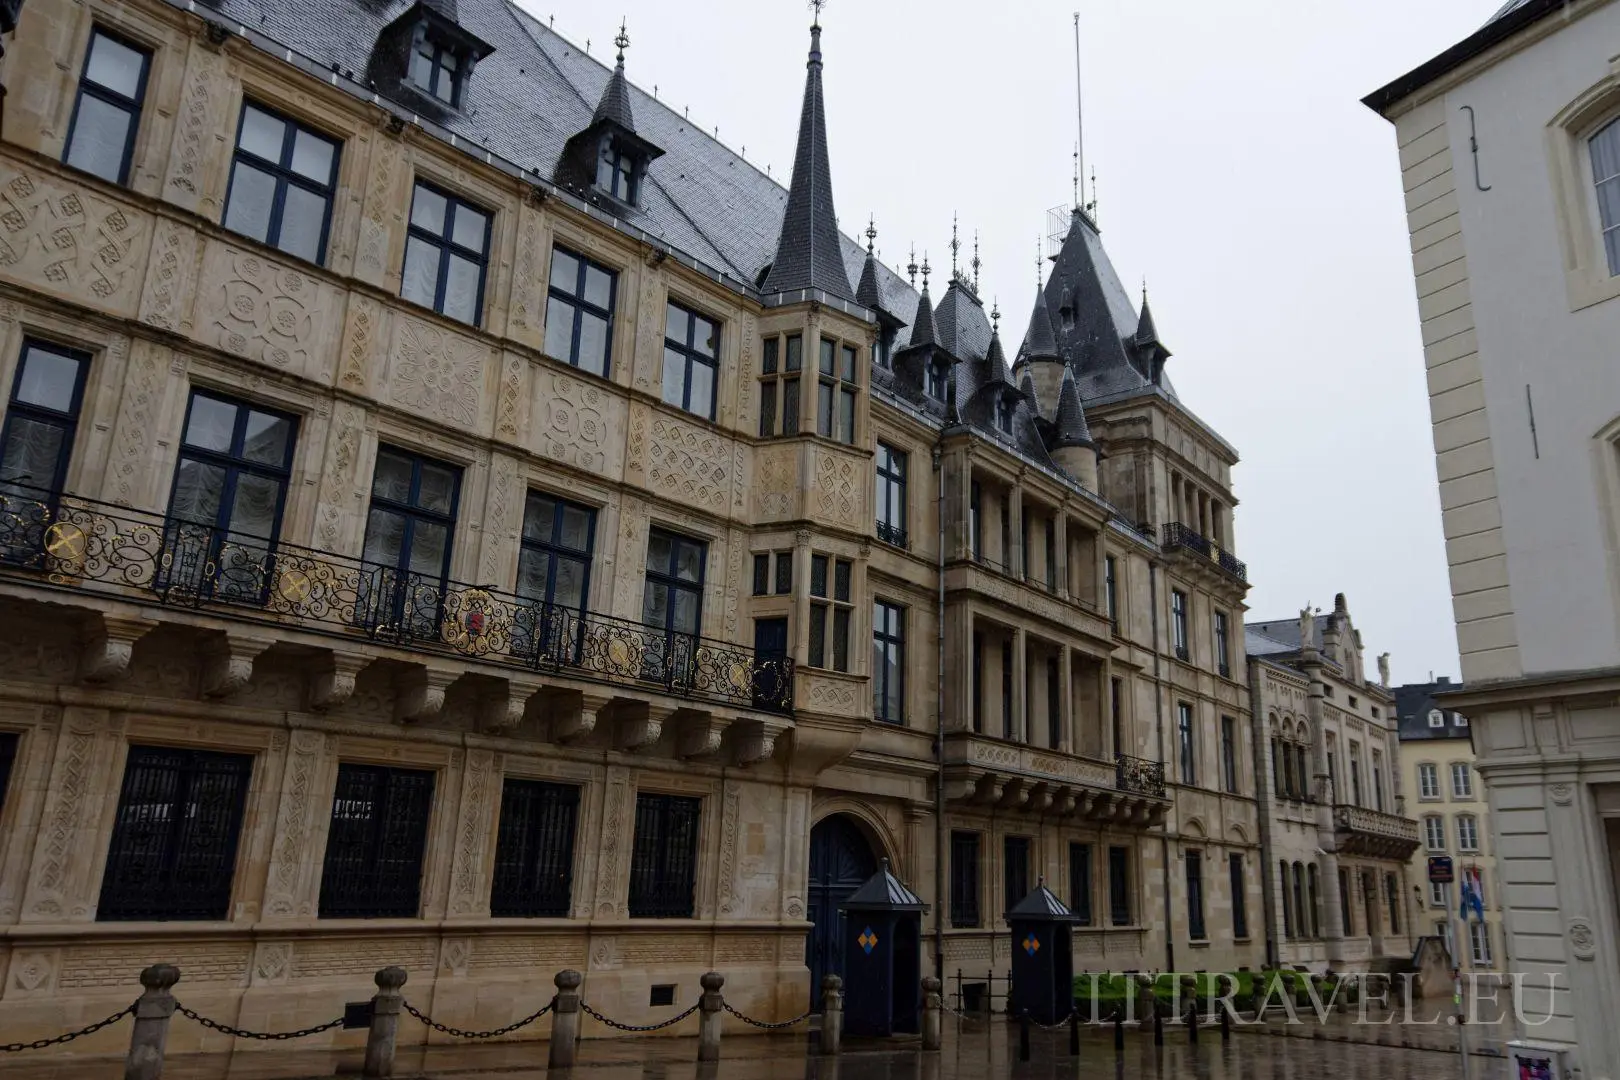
(1307, 628)
(1383, 669)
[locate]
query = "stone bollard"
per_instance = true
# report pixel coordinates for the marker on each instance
(711, 1008)
(932, 1007)
(1189, 990)
(832, 1013)
(151, 1031)
(565, 1020)
(384, 1021)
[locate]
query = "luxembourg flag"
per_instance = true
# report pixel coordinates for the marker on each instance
(1472, 893)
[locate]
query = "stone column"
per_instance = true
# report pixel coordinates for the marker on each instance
(565, 1021)
(380, 1040)
(1014, 556)
(832, 1014)
(801, 598)
(1066, 704)
(1060, 552)
(151, 1029)
(711, 1008)
(1020, 671)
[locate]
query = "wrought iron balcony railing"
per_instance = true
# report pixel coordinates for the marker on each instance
(1177, 535)
(1139, 775)
(69, 541)
(893, 535)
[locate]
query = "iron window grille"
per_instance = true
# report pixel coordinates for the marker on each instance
(107, 110)
(764, 584)
(691, 360)
(554, 572)
(835, 392)
(374, 846)
(1080, 882)
(1015, 869)
(663, 864)
(888, 662)
(1119, 886)
(173, 848)
(1240, 905)
(762, 573)
(1195, 896)
(534, 850)
(579, 311)
(410, 530)
(964, 879)
(672, 602)
(830, 621)
(891, 496)
(8, 758)
(42, 420)
(781, 360)
(446, 254)
(230, 484)
(282, 180)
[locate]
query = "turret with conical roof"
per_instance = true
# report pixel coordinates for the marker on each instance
(1071, 445)
(1150, 351)
(1038, 357)
(808, 251)
(609, 158)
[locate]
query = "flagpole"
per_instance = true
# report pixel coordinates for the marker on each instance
(1456, 976)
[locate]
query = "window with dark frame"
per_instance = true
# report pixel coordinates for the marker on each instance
(1240, 900)
(173, 850)
(1080, 882)
(888, 662)
(836, 391)
(977, 676)
(1185, 741)
(830, 612)
(936, 380)
(1288, 912)
(554, 574)
(446, 254)
(283, 177)
(616, 172)
(1303, 772)
(410, 529)
(107, 110)
(534, 850)
(964, 879)
(42, 421)
(1051, 554)
(1229, 769)
(1347, 913)
(1116, 689)
(672, 601)
(1054, 703)
(230, 486)
(891, 496)
(437, 69)
(975, 521)
(1223, 645)
(580, 299)
(1178, 622)
(1392, 898)
(1119, 886)
(691, 360)
(1009, 729)
(1195, 895)
(1111, 589)
(663, 862)
(1015, 870)
(375, 843)
(781, 360)
(1313, 900)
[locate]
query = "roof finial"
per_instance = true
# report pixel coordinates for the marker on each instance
(816, 6)
(995, 316)
(1093, 206)
(871, 232)
(623, 40)
(925, 271)
(1077, 204)
(911, 267)
(1037, 262)
(975, 263)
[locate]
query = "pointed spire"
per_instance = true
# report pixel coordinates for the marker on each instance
(1146, 332)
(975, 263)
(922, 326)
(867, 293)
(996, 361)
(808, 252)
(955, 245)
(1027, 385)
(1072, 429)
(911, 267)
(615, 103)
(1040, 342)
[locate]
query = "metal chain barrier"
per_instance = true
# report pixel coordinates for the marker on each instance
(267, 1036)
(960, 1015)
(490, 1034)
(40, 1044)
(1061, 1025)
(634, 1028)
(778, 1026)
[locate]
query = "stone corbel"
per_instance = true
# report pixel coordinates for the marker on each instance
(502, 710)
(1066, 803)
(228, 663)
(108, 647)
(701, 735)
(1041, 798)
(640, 724)
(991, 787)
(1016, 795)
(960, 788)
(575, 723)
(419, 695)
(756, 740)
(330, 689)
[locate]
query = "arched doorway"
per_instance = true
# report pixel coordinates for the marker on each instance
(841, 860)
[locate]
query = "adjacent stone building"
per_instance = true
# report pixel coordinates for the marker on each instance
(456, 514)
(1437, 767)
(1333, 828)
(1508, 145)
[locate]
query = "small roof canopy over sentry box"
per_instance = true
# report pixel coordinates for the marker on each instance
(1042, 957)
(882, 957)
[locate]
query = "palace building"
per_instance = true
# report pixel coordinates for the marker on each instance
(456, 514)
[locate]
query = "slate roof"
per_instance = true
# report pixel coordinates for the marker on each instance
(1040, 343)
(1509, 19)
(1041, 906)
(1412, 705)
(1071, 427)
(960, 324)
(615, 104)
(883, 892)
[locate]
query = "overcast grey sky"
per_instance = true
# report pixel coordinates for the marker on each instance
(1236, 170)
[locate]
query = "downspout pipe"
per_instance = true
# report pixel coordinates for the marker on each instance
(940, 900)
(1158, 722)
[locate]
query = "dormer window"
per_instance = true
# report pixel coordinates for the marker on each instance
(935, 387)
(616, 172)
(436, 69)
(1004, 415)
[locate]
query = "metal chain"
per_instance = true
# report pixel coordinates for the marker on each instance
(490, 1034)
(642, 1027)
(267, 1036)
(778, 1026)
(1061, 1025)
(40, 1044)
(976, 1017)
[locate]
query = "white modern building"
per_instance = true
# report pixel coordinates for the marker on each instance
(1509, 149)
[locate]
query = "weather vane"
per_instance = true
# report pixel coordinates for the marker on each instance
(975, 263)
(1037, 262)
(816, 6)
(623, 40)
(955, 244)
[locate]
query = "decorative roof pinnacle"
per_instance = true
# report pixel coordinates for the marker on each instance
(871, 232)
(623, 40)
(955, 243)
(911, 267)
(975, 263)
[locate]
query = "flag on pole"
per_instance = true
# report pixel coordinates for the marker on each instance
(1471, 893)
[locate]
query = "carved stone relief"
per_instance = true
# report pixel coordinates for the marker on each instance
(730, 901)
(363, 331)
(169, 275)
(62, 830)
(528, 288)
(437, 373)
(839, 489)
(196, 124)
(776, 476)
(467, 897)
(380, 215)
(690, 464)
(576, 420)
(341, 495)
(509, 411)
(284, 894)
(616, 838)
(501, 522)
(265, 312)
(70, 242)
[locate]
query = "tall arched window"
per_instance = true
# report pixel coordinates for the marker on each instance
(1605, 151)
(1314, 900)
(1299, 900)
(1287, 908)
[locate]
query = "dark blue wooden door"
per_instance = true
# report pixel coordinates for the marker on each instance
(840, 862)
